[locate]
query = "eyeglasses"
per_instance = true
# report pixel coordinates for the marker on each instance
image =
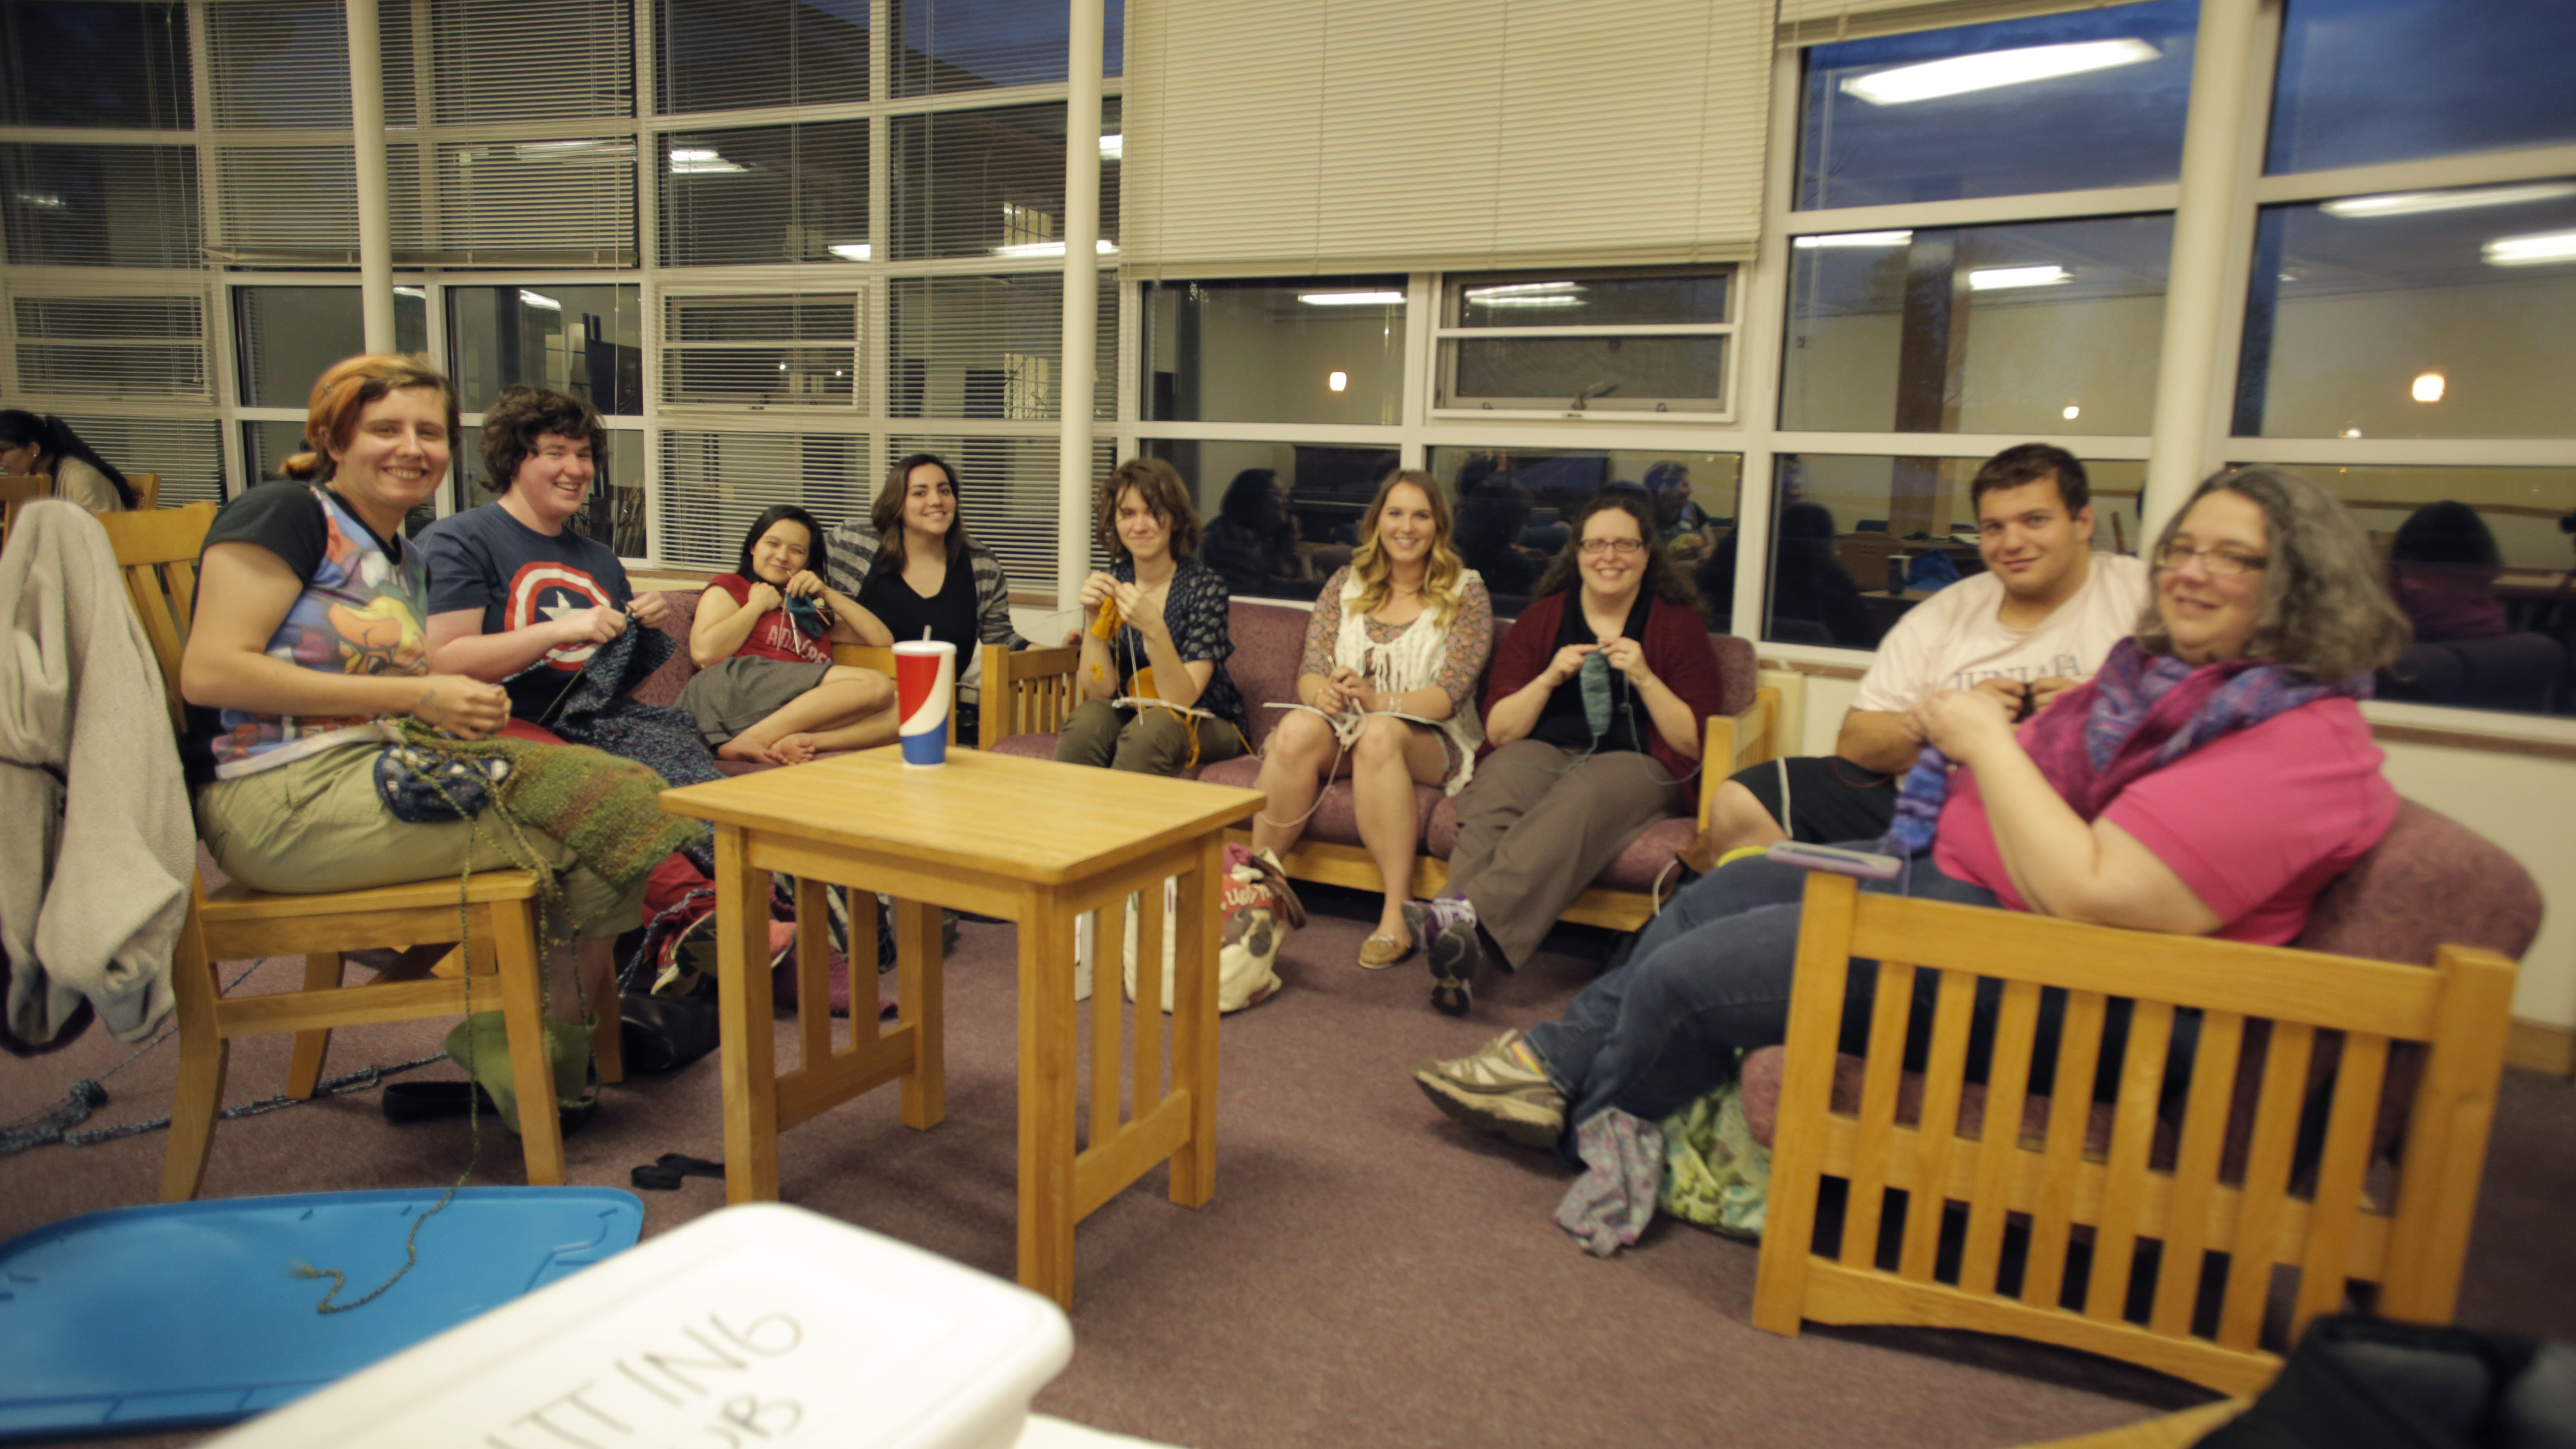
(2215, 561)
(1624, 547)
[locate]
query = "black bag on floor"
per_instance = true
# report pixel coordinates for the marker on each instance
(665, 1033)
(2367, 1383)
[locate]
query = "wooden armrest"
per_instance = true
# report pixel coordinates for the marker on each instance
(1735, 742)
(1008, 676)
(878, 657)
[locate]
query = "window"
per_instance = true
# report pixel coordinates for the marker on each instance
(111, 346)
(288, 335)
(1290, 511)
(990, 183)
(587, 341)
(965, 45)
(99, 206)
(1512, 505)
(796, 350)
(1312, 350)
(984, 347)
(729, 477)
(795, 193)
(82, 63)
(720, 55)
(1552, 343)
(2365, 81)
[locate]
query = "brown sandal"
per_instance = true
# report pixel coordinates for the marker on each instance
(1381, 951)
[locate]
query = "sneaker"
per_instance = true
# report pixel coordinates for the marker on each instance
(1448, 929)
(1492, 1092)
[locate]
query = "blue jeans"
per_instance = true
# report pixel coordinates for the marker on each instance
(1711, 976)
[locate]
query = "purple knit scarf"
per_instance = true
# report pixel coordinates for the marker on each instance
(2139, 714)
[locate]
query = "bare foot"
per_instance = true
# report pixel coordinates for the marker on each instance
(738, 748)
(793, 749)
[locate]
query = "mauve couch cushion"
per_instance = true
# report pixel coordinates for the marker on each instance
(663, 685)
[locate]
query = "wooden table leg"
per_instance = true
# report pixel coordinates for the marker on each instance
(743, 1013)
(1194, 967)
(1047, 1098)
(918, 967)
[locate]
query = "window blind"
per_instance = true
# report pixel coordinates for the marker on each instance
(100, 206)
(188, 453)
(963, 45)
(986, 347)
(1006, 492)
(110, 346)
(990, 183)
(1821, 22)
(753, 194)
(510, 62)
(715, 482)
(1309, 136)
(786, 350)
(281, 64)
(723, 55)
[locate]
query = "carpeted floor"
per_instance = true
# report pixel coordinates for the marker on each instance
(1368, 1274)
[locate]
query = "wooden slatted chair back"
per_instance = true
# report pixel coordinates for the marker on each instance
(2196, 1307)
(1030, 692)
(158, 552)
(17, 493)
(147, 490)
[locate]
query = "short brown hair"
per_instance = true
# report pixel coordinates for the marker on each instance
(1159, 485)
(521, 415)
(344, 391)
(2028, 463)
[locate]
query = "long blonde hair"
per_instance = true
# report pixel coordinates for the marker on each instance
(1441, 570)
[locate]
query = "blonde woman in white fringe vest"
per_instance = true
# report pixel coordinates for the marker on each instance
(1398, 641)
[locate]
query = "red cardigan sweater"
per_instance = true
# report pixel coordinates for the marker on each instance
(1677, 650)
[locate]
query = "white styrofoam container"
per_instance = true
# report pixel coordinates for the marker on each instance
(760, 1325)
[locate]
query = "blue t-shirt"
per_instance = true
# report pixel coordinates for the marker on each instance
(485, 559)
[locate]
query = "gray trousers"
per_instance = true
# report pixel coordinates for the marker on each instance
(1537, 823)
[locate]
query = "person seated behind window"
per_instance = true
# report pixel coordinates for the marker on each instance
(2040, 618)
(1594, 714)
(2443, 566)
(1171, 609)
(2209, 780)
(903, 566)
(1392, 656)
(1252, 542)
(766, 691)
(30, 445)
(307, 651)
(518, 597)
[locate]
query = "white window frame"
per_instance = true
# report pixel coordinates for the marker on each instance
(1446, 334)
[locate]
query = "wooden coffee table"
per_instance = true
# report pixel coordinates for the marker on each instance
(1029, 841)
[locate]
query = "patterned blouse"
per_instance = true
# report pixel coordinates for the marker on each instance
(1194, 609)
(1471, 638)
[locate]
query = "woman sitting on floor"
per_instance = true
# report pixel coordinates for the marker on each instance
(308, 654)
(1599, 697)
(1170, 610)
(917, 572)
(2210, 781)
(30, 445)
(766, 690)
(1393, 652)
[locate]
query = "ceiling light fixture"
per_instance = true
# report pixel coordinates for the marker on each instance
(1351, 299)
(2072, 412)
(1962, 73)
(1998, 279)
(2428, 387)
(700, 161)
(2531, 251)
(1337, 381)
(1855, 239)
(1113, 147)
(2410, 203)
(538, 299)
(854, 251)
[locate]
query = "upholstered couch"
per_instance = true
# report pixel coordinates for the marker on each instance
(1026, 696)
(663, 685)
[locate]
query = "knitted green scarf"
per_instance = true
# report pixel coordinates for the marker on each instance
(606, 810)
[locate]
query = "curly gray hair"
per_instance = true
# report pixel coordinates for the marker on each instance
(2325, 613)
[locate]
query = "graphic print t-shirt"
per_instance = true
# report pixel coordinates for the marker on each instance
(485, 559)
(774, 636)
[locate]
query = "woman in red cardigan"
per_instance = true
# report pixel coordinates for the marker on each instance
(1594, 712)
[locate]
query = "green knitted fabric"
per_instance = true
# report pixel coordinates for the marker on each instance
(606, 810)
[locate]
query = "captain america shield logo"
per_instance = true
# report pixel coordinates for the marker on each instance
(550, 591)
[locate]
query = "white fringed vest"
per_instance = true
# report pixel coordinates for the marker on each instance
(1410, 661)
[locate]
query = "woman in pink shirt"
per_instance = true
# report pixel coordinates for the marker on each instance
(2210, 780)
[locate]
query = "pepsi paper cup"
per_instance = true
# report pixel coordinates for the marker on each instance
(925, 689)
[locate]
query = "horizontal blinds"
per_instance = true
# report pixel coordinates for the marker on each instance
(110, 346)
(989, 183)
(723, 55)
(1006, 493)
(297, 202)
(100, 206)
(507, 61)
(986, 347)
(784, 350)
(557, 200)
(756, 194)
(948, 46)
(1309, 136)
(188, 453)
(281, 64)
(715, 482)
(1822, 22)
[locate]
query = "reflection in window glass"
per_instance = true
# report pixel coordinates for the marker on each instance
(614, 511)
(966, 45)
(985, 347)
(85, 64)
(1559, 358)
(1280, 517)
(1582, 299)
(100, 206)
(288, 335)
(2478, 559)
(267, 445)
(1856, 542)
(1512, 506)
(765, 194)
(587, 341)
(2427, 314)
(991, 183)
(2048, 327)
(2364, 81)
(2052, 103)
(723, 55)
(1315, 350)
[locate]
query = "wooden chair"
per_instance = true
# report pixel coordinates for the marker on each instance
(158, 551)
(1025, 693)
(147, 491)
(16, 493)
(2188, 1197)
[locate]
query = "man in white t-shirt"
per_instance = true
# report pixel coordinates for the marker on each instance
(2041, 618)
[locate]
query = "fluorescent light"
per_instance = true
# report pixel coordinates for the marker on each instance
(1337, 381)
(1104, 247)
(572, 150)
(2529, 251)
(1962, 73)
(700, 161)
(1997, 279)
(2428, 387)
(2072, 412)
(854, 251)
(2352, 432)
(1351, 299)
(1527, 294)
(41, 200)
(420, 292)
(1113, 148)
(1855, 239)
(538, 299)
(2408, 203)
